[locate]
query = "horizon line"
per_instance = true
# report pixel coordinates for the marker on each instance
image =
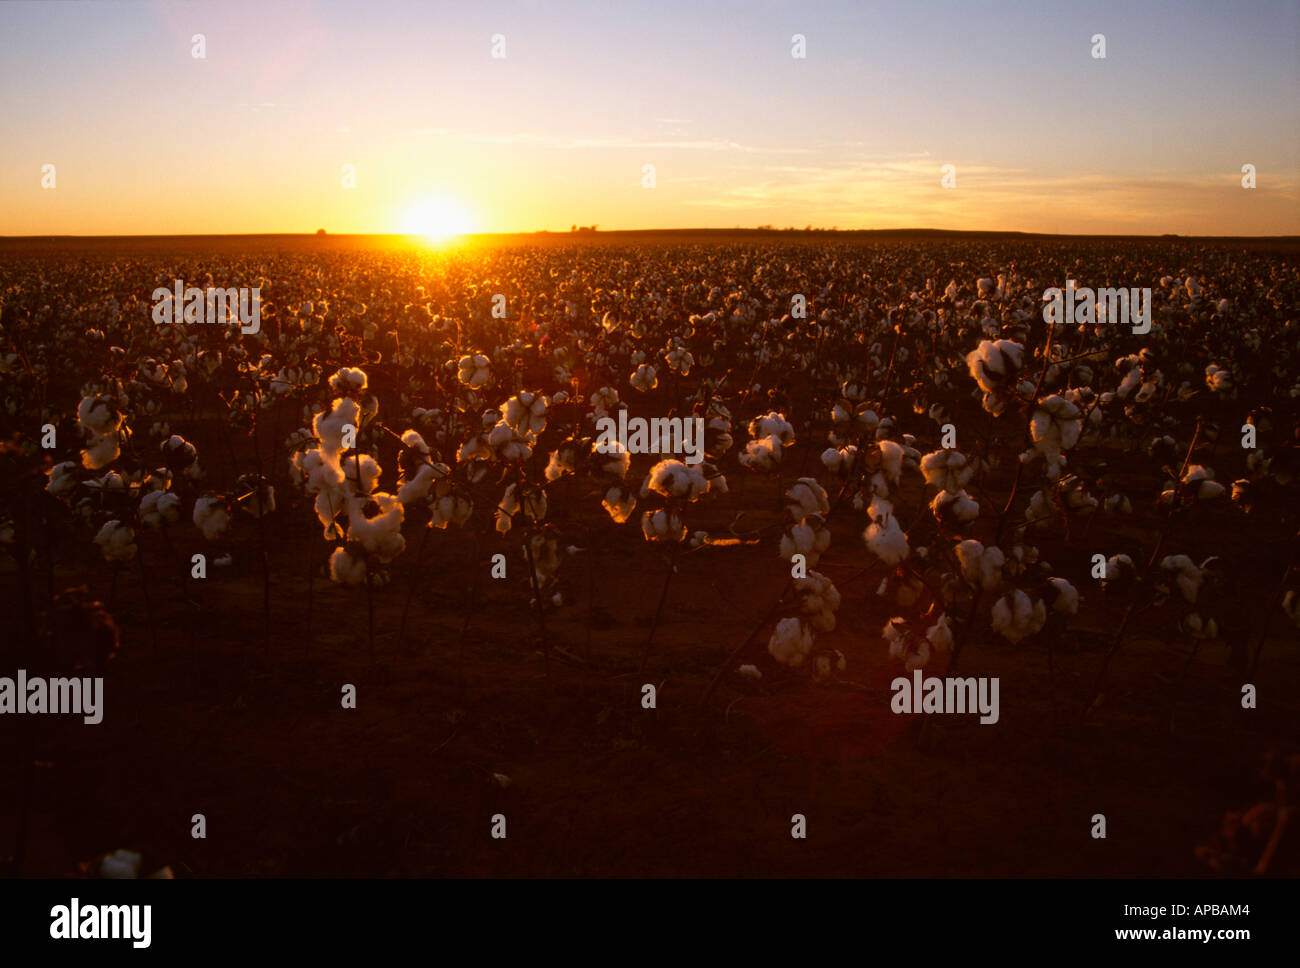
(587, 234)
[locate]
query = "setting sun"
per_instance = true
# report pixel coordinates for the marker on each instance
(437, 218)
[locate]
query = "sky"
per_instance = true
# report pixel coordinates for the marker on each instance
(441, 135)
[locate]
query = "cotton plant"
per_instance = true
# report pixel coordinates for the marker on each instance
(917, 642)
(793, 639)
(771, 434)
(103, 426)
(995, 365)
(884, 536)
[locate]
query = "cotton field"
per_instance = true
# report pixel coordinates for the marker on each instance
(428, 477)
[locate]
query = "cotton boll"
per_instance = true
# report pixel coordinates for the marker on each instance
(178, 453)
(818, 599)
(1016, 617)
(1186, 575)
(473, 371)
(791, 641)
(773, 425)
(158, 508)
(1067, 596)
(891, 459)
(810, 538)
(994, 364)
(672, 478)
(806, 497)
(380, 534)
(619, 502)
(100, 451)
(365, 466)
(525, 412)
(662, 526)
(954, 509)
(120, 865)
(348, 380)
(116, 541)
(329, 427)
(63, 478)
(533, 506)
(211, 517)
(947, 469)
(345, 569)
(644, 378)
(939, 635)
(750, 672)
(450, 509)
(884, 537)
(762, 454)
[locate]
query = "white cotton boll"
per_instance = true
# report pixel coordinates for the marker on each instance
(948, 470)
(810, 538)
(533, 506)
(1016, 617)
(891, 457)
(1067, 597)
(178, 452)
(100, 451)
(348, 378)
(451, 509)
(644, 378)
(120, 865)
(1187, 576)
(116, 541)
(750, 672)
(380, 534)
(413, 440)
(791, 642)
(993, 362)
(328, 427)
(158, 508)
(473, 370)
(99, 415)
(806, 497)
(819, 599)
(417, 488)
(619, 503)
(772, 425)
(672, 478)
(525, 412)
(63, 478)
(605, 399)
(509, 444)
(346, 570)
(939, 635)
(884, 537)
(211, 517)
(832, 459)
(559, 464)
(960, 507)
(662, 526)
(368, 468)
(762, 454)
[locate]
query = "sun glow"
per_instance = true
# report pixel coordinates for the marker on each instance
(437, 218)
